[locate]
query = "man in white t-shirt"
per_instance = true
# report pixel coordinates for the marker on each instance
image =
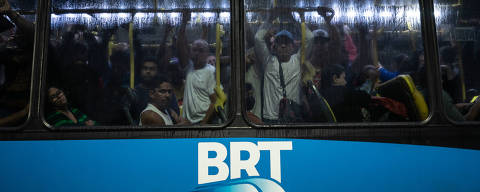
(282, 53)
(157, 111)
(199, 96)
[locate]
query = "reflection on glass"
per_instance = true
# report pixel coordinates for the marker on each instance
(131, 63)
(458, 38)
(333, 61)
(16, 49)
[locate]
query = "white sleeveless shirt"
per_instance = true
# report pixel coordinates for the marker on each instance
(166, 118)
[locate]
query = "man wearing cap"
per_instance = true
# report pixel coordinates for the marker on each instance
(312, 67)
(326, 48)
(283, 54)
(321, 39)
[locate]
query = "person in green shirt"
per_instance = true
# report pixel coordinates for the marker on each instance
(63, 114)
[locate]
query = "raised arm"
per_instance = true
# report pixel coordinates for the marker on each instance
(163, 52)
(24, 26)
(336, 40)
(261, 49)
(182, 44)
(308, 37)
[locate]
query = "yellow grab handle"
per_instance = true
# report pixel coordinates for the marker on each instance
(474, 99)
(218, 51)
(132, 60)
(111, 44)
(221, 97)
(302, 48)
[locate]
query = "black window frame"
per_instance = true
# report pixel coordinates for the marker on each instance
(231, 96)
(437, 130)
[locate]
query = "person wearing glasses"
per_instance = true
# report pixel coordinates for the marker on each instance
(158, 112)
(63, 114)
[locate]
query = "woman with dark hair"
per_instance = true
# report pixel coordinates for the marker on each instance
(62, 114)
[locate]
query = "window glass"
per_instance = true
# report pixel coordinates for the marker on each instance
(333, 61)
(458, 33)
(16, 49)
(148, 63)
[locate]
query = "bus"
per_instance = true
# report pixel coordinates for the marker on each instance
(240, 96)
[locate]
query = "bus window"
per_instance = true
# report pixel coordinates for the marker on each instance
(333, 62)
(144, 63)
(458, 37)
(16, 49)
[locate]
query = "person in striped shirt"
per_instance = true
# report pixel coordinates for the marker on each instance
(63, 114)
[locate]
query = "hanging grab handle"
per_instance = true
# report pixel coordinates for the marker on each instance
(132, 59)
(221, 97)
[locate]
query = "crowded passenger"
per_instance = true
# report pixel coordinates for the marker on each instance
(199, 97)
(348, 44)
(318, 60)
(417, 61)
(346, 103)
(328, 47)
(117, 97)
(254, 73)
(177, 78)
(450, 73)
(148, 72)
(285, 81)
(282, 69)
(211, 60)
(399, 61)
(454, 111)
(77, 66)
(250, 102)
(16, 54)
(62, 114)
(158, 112)
(169, 65)
(253, 80)
(369, 79)
(322, 56)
